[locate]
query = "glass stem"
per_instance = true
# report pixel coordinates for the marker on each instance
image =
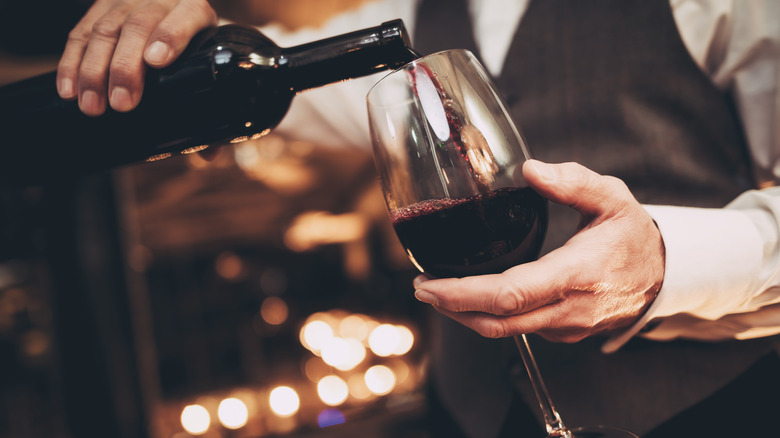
(552, 420)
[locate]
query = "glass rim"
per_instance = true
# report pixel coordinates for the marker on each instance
(414, 62)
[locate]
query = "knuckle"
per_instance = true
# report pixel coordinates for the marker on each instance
(573, 337)
(171, 34)
(67, 67)
(508, 302)
(204, 9)
(91, 75)
(138, 21)
(78, 35)
(175, 33)
(123, 70)
(619, 191)
(557, 337)
(106, 29)
(615, 184)
(491, 330)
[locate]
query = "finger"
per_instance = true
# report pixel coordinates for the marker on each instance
(520, 289)
(126, 74)
(420, 279)
(93, 71)
(173, 34)
(68, 67)
(493, 326)
(576, 186)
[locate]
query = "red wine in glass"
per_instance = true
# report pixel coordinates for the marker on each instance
(450, 162)
(482, 234)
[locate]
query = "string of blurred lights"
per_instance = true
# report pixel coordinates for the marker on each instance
(355, 360)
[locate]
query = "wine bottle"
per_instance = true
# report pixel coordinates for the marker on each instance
(231, 84)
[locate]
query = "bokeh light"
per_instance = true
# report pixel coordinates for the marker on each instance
(332, 390)
(400, 369)
(405, 341)
(195, 419)
(355, 326)
(384, 340)
(380, 379)
(330, 417)
(274, 311)
(357, 387)
(343, 354)
(229, 265)
(357, 352)
(284, 401)
(315, 334)
(335, 352)
(315, 369)
(232, 413)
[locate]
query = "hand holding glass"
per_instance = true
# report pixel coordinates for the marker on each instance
(450, 162)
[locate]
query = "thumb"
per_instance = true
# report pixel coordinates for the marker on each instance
(576, 186)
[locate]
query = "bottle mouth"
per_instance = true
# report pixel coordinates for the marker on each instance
(394, 31)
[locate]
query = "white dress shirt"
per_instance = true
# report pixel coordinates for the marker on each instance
(722, 276)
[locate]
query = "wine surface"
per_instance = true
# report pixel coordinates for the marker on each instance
(481, 234)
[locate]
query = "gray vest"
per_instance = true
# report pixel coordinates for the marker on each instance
(611, 85)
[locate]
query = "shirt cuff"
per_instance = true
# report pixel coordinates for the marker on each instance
(712, 257)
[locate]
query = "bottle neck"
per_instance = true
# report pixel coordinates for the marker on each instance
(347, 56)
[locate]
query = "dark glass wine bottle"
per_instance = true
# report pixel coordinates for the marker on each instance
(231, 84)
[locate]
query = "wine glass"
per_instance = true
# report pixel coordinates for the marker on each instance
(449, 160)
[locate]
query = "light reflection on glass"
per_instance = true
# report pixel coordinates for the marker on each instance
(195, 419)
(194, 149)
(158, 157)
(260, 134)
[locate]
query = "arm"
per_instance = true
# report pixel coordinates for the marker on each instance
(721, 266)
(722, 272)
(738, 45)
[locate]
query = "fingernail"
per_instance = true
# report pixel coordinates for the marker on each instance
(90, 103)
(120, 99)
(544, 170)
(425, 297)
(418, 280)
(66, 89)
(157, 53)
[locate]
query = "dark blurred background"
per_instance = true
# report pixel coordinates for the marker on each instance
(170, 299)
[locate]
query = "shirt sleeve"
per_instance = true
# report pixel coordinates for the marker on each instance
(722, 277)
(336, 115)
